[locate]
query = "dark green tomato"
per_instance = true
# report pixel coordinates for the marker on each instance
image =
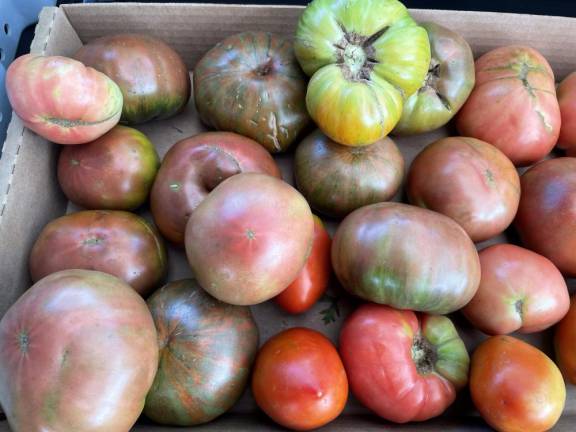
(153, 77)
(406, 257)
(337, 179)
(206, 351)
(250, 83)
(449, 82)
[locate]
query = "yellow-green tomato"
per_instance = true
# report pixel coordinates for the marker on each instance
(365, 57)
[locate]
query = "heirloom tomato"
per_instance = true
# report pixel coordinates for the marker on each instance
(152, 76)
(513, 105)
(567, 101)
(402, 366)
(448, 84)
(206, 351)
(250, 83)
(565, 341)
(299, 379)
(365, 57)
(337, 179)
(61, 99)
(249, 238)
(515, 386)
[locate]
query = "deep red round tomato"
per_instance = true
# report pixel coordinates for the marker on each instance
(513, 105)
(546, 218)
(114, 172)
(61, 99)
(519, 291)
(299, 379)
(567, 101)
(515, 386)
(402, 367)
(469, 181)
(565, 342)
(313, 280)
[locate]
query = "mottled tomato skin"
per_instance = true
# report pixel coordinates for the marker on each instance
(299, 380)
(114, 172)
(337, 179)
(249, 238)
(406, 257)
(313, 279)
(564, 343)
(115, 242)
(546, 218)
(469, 181)
(449, 82)
(250, 83)
(515, 386)
(61, 99)
(513, 105)
(567, 101)
(77, 353)
(196, 165)
(519, 291)
(152, 76)
(206, 351)
(402, 366)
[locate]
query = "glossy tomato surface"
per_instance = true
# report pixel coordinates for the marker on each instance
(249, 238)
(250, 83)
(115, 242)
(78, 353)
(313, 279)
(61, 99)
(565, 341)
(337, 179)
(299, 379)
(114, 172)
(469, 181)
(515, 386)
(513, 105)
(567, 101)
(364, 58)
(406, 257)
(206, 351)
(196, 165)
(519, 291)
(546, 217)
(401, 366)
(152, 76)
(448, 84)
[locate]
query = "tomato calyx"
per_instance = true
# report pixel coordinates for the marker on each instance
(355, 54)
(424, 355)
(265, 69)
(431, 83)
(23, 341)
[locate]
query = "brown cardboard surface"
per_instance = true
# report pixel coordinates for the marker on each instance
(30, 196)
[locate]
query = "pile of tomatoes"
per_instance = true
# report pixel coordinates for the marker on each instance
(82, 350)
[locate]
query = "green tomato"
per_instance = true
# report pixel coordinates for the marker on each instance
(449, 82)
(365, 57)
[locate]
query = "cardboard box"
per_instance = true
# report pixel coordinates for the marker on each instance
(30, 196)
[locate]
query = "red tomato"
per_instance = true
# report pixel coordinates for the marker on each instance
(513, 105)
(299, 379)
(519, 291)
(312, 281)
(515, 386)
(401, 367)
(567, 101)
(565, 341)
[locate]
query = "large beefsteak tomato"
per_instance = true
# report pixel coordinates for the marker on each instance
(402, 367)
(365, 57)
(206, 351)
(78, 353)
(567, 101)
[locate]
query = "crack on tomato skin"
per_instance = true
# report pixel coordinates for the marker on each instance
(547, 125)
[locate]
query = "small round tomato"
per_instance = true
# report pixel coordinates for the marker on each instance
(299, 379)
(565, 343)
(312, 281)
(515, 386)
(519, 291)
(402, 367)
(567, 100)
